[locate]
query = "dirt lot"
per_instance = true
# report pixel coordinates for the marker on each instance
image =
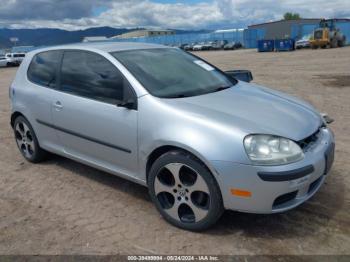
(63, 207)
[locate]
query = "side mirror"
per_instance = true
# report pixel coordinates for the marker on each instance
(242, 75)
(129, 104)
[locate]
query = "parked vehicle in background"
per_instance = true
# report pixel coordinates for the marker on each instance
(4, 61)
(189, 47)
(182, 46)
(328, 35)
(232, 46)
(203, 46)
(304, 42)
(198, 138)
(208, 46)
(217, 45)
(198, 47)
(15, 59)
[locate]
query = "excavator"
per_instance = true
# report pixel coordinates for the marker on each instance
(327, 35)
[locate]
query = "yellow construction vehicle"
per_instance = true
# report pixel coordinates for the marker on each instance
(327, 35)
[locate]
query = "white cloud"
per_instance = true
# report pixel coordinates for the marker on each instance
(145, 13)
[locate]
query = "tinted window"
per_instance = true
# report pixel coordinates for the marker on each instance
(91, 75)
(19, 55)
(42, 69)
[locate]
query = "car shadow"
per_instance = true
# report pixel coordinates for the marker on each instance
(308, 218)
(99, 176)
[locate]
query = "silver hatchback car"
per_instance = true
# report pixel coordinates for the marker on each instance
(198, 138)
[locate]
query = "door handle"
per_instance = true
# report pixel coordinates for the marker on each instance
(58, 105)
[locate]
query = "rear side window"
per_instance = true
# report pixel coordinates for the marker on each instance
(43, 68)
(92, 76)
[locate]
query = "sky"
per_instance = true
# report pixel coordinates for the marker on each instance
(171, 14)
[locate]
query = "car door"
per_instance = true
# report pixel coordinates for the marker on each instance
(42, 89)
(89, 124)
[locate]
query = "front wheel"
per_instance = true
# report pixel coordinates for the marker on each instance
(334, 43)
(184, 191)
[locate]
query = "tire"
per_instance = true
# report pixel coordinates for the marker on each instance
(334, 43)
(184, 191)
(27, 141)
(341, 43)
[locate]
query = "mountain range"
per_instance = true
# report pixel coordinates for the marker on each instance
(48, 36)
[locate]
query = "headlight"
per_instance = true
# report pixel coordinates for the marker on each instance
(272, 150)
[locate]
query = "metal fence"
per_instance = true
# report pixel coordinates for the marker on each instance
(248, 37)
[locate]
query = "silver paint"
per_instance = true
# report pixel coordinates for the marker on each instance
(212, 127)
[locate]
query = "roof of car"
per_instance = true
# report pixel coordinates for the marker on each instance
(106, 46)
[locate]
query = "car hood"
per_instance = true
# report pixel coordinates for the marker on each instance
(254, 109)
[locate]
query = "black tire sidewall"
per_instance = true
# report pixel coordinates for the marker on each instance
(216, 205)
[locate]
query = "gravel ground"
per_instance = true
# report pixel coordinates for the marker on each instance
(63, 207)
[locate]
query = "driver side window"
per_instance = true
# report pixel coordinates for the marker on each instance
(92, 76)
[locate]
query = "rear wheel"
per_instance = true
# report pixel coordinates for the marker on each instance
(341, 43)
(26, 140)
(184, 191)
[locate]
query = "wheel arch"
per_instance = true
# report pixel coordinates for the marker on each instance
(14, 115)
(160, 150)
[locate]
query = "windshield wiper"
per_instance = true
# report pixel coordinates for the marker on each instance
(176, 96)
(220, 88)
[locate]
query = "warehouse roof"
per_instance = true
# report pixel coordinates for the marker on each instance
(282, 21)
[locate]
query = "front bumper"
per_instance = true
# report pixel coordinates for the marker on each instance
(286, 186)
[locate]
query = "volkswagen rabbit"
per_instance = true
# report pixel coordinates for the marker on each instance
(200, 139)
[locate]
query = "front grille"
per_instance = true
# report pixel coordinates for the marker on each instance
(306, 142)
(284, 198)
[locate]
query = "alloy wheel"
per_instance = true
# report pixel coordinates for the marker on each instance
(182, 193)
(24, 139)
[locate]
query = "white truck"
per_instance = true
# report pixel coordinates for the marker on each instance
(14, 59)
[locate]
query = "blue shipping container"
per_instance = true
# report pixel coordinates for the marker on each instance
(284, 45)
(265, 45)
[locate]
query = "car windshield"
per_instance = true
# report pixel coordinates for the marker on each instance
(172, 73)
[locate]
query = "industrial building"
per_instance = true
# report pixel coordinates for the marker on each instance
(294, 29)
(282, 29)
(286, 28)
(145, 33)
